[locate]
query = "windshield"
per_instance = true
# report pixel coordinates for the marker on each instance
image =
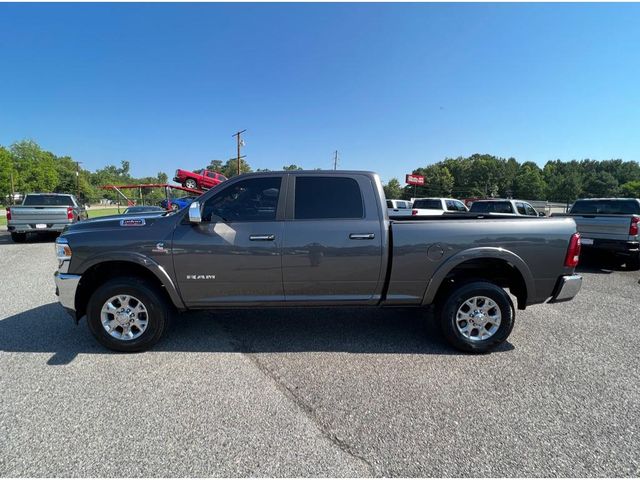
(606, 207)
(433, 204)
(52, 200)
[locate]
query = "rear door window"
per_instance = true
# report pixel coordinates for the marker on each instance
(521, 209)
(318, 198)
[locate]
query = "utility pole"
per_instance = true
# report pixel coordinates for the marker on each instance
(78, 179)
(335, 160)
(13, 190)
(240, 143)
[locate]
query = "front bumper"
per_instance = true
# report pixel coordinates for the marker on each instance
(66, 286)
(567, 288)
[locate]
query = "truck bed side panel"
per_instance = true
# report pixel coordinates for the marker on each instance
(420, 249)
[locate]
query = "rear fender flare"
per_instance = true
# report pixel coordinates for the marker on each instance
(473, 254)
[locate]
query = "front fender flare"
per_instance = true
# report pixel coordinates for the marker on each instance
(155, 268)
(473, 254)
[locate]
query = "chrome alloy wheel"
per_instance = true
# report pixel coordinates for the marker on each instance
(478, 318)
(124, 317)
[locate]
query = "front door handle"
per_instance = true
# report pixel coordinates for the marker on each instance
(262, 238)
(362, 236)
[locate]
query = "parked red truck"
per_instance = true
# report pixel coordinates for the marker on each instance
(202, 181)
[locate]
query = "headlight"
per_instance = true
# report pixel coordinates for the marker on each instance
(63, 250)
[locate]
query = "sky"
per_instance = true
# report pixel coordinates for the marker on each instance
(392, 87)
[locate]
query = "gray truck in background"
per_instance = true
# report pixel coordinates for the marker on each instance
(609, 225)
(43, 213)
(311, 239)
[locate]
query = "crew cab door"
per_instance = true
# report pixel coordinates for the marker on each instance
(333, 240)
(234, 256)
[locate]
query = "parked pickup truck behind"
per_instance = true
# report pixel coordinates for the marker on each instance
(316, 239)
(43, 212)
(609, 224)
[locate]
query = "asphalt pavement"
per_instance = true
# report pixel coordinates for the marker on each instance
(319, 392)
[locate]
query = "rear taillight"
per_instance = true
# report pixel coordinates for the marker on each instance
(8, 213)
(573, 253)
(70, 213)
(414, 212)
(633, 228)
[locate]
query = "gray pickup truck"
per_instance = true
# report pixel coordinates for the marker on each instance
(311, 239)
(43, 213)
(610, 225)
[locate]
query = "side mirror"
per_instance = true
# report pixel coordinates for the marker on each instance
(542, 214)
(195, 216)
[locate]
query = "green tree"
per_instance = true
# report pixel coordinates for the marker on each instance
(631, 189)
(292, 167)
(393, 189)
(529, 183)
(230, 169)
(602, 184)
(216, 166)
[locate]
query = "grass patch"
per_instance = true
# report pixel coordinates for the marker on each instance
(102, 212)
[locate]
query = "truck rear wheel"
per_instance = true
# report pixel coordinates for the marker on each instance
(127, 315)
(477, 317)
(18, 237)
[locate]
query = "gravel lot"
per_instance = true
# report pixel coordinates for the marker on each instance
(319, 392)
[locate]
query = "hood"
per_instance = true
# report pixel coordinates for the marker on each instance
(118, 222)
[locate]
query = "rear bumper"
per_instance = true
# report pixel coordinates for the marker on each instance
(621, 247)
(567, 288)
(66, 287)
(29, 228)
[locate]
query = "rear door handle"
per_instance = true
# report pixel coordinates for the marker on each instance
(362, 236)
(262, 238)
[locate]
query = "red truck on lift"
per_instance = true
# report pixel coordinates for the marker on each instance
(200, 181)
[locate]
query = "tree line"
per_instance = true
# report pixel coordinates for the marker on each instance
(490, 176)
(32, 169)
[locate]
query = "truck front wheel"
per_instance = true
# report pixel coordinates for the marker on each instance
(477, 317)
(190, 183)
(127, 314)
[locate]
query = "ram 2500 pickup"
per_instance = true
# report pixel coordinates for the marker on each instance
(311, 239)
(610, 225)
(43, 213)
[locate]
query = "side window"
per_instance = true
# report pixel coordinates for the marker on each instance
(460, 205)
(327, 197)
(521, 209)
(451, 206)
(530, 210)
(251, 200)
(389, 204)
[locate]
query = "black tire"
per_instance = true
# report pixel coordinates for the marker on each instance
(18, 237)
(190, 183)
(154, 302)
(456, 299)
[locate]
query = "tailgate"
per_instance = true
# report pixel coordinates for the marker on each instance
(612, 227)
(35, 215)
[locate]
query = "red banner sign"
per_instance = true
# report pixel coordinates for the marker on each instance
(415, 179)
